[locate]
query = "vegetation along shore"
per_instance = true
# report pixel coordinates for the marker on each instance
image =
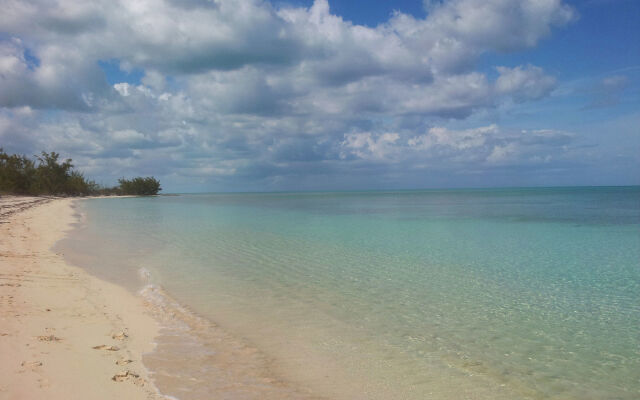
(47, 174)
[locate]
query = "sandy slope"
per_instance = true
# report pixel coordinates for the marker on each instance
(63, 333)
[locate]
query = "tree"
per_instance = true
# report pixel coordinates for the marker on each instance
(17, 173)
(139, 186)
(21, 175)
(52, 177)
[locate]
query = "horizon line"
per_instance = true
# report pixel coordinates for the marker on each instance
(409, 190)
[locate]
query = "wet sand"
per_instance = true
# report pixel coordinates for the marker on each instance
(64, 334)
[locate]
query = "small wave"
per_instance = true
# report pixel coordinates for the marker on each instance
(145, 275)
(195, 359)
(167, 310)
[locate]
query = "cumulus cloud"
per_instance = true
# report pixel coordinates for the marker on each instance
(457, 139)
(524, 83)
(59, 78)
(248, 89)
(485, 145)
(499, 24)
(367, 146)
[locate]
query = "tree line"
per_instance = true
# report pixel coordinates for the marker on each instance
(47, 174)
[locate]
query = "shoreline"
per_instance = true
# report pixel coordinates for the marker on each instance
(99, 339)
(213, 358)
(194, 357)
(64, 334)
(199, 356)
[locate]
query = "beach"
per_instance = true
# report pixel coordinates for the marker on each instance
(320, 199)
(446, 294)
(64, 334)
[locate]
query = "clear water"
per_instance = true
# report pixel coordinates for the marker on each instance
(452, 294)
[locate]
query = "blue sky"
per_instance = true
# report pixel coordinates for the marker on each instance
(249, 95)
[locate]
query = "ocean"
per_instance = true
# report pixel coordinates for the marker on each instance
(528, 293)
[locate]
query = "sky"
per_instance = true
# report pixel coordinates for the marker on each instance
(252, 95)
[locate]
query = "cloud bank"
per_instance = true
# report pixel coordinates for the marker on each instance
(240, 94)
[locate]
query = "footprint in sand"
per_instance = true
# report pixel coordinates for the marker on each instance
(48, 338)
(128, 375)
(32, 365)
(119, 336)
(105, 347)
(123, 361)
(124, 375)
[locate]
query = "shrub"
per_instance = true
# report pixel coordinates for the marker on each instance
(47, 175)
(21, 175)
(17, 174)
(139, 186)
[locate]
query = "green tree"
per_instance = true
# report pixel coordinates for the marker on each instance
(21, 175)
(17, 173)
(52, 177)
(139, 186)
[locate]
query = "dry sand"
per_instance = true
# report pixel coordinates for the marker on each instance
(64, 334)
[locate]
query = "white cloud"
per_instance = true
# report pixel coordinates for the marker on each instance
(458, 139)
(368, 146)
(524, 83)
(129, 137)
(499, 24)
(501, 154)
(241, 87)
(488, 145)
(22, 82)
(122, 88)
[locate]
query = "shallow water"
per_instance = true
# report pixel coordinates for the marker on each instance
(448, 294)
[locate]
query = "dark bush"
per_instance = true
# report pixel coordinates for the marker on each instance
(21, 175)
(17, 174)
(47, 175)
(139, 186)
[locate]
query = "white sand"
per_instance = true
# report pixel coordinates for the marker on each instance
(52, 315)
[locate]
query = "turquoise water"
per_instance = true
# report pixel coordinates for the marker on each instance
(444, 294)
